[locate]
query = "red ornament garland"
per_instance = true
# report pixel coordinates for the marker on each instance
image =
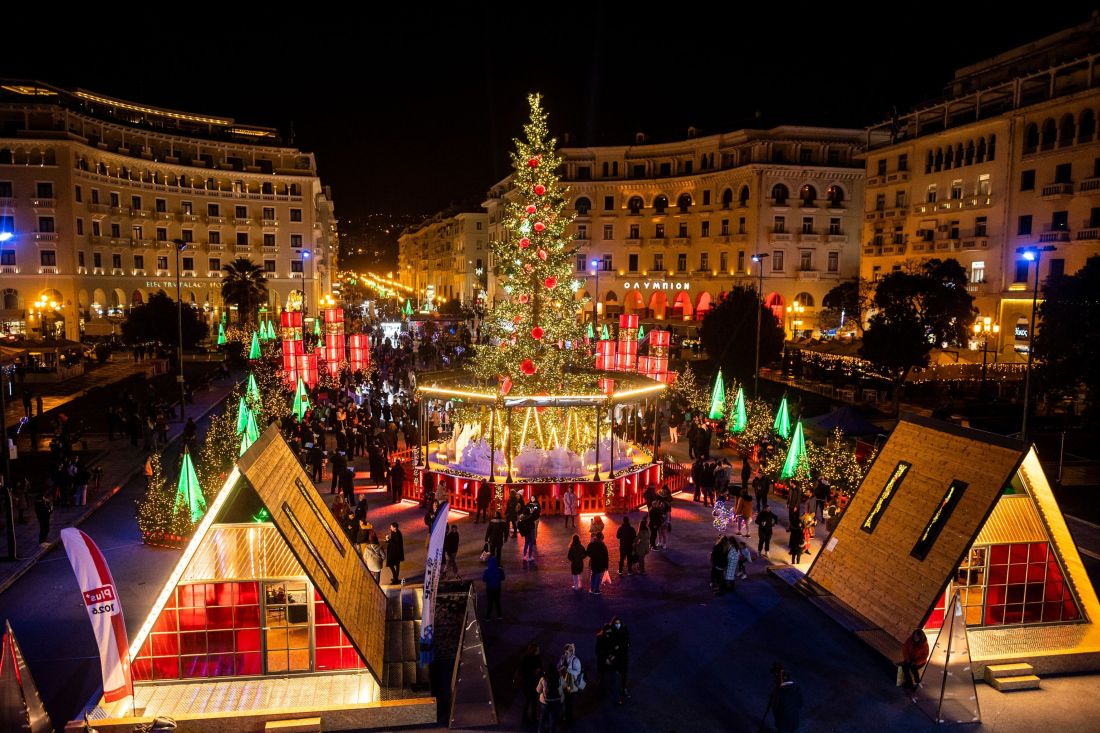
(524, 243)
(543, 254)
(540, 189)
(533, 162)
(523, 298)
(550, 282)
(539, 226)
(506, 385)
(531, 208)
(528, 367)
(537, 333)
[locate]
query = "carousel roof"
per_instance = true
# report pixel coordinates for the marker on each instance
(465, 387)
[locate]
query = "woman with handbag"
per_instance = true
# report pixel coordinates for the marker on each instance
(374, 554)
(573, 679)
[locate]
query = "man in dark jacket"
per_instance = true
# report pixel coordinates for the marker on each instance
(495, 535)
(697, 476)
(626, 535)
(821, 497)
(484, 496)
(43, 508)
(395, 553)
(598, 561)
(786, 703)
(618, 648)
(338, 462)
(316, 463)
(766, 520)
(397, 481)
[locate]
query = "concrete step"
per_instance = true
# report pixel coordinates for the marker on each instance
(1018, 669)
(1011, 684)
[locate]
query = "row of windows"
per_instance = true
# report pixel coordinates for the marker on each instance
(270, 188)
(959, 155)
(137, 232)
(45, 190)
(1063, 173)
(780, 193)
(686, 167)
(606, 262)
(779, 225)
(1067, 131)
(48, 258)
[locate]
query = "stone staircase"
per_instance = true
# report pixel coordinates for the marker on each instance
(1011, 677)
(402, 671)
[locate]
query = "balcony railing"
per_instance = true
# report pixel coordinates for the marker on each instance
(1089, 234)
(9, 269)
(44, 203)
(656, 241)
(242, 222)
(243, 248)
(184, 216)
(139, 214)
(215, 220)
(809, 237)
(45, 236)
(163, 215)
(98, 208)
(1055, 190)
(976, 243)
(1058, 235)
(269, 222)
(681, 241)
(1089, 184)
(781, 236)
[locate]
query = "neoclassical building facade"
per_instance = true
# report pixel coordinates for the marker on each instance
(445, 257)
(665, 230)
(94, 190)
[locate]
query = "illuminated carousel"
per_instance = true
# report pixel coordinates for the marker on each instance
(544, 404)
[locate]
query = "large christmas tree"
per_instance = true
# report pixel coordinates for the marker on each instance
(536, 340)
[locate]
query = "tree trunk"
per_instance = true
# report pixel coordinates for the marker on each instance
(898, 384)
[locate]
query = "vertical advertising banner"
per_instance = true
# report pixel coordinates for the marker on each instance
(433, 567)
(100, 597)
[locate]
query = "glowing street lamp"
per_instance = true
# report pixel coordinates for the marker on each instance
(1031, 254)
(982, 328)
(758, 258)
(596, 306)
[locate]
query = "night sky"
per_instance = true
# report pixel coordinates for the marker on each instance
(413, 111)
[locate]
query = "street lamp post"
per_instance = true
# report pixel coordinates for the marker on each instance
(1031, 254)
(596, 304)
(794, 314)
(758, 258)
(180, 246)
(9, 503)
(982, 328)
(305, 287)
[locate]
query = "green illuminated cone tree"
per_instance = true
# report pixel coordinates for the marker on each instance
(221, 334)
(782, 426)
(254, 351)
(253, 388)
(528, 329)
(740, 415)
(188, 492)
(796, 464)
(718, 399)
(251, 429)
(243, 412)
(301, 401)
(604, 334)
(246, 442)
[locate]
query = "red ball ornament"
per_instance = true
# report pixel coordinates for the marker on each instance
(524, 298)
(536, 333)
(528, 367)
(506, 385)
(531, 208)
(539, 226)
(533, 162)
(543, 254)
(540, 189)
(524, 243)
(550, 282)
(517, 319)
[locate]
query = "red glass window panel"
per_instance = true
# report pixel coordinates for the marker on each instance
(1036, 573)
(1038, 552)
(141, 670)
(344, 640)
(1017, 554)
(1054, 573)
(248, 640)
(328, 659)
(211, 594)
(219, 641)
(935, 618)
(250, 664)
(1033, 612)
(193, 643)
(1017, 573)
(171, 602)
(322, 614)
(219, 618)
(995, 615)
(998, 555)
(1052, 611)
(167, 621)
(194, 666)
(247, 594)
(995, 594)
(246, 616)
(1014, 593)
(998, 575)
(166, 668)
(326, 636)
(192, 619)
(164, 645)
(223, 594)
(1070, 612)
(349, 659)
(222, 665)
(184, 592)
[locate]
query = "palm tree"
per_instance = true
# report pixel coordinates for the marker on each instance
(244, 285)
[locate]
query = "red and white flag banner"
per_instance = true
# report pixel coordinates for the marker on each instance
(100, 597)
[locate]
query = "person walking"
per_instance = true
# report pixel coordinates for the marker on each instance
(484, 497)
(569, 507)
(493, 577)
(511, 512)
(626, 535)
(914, 655)
(527, 678)
(618, 658)
(786, 703)
(796, 544)
(821, 498)
(374, 555)
(573, 680)
(550, 699)
(641, 546)
(719, 557)
(397, 481)
(766, 520)
(761, 486)
(744, 511)
(147, 470)
(395, 553)
(495, 534)
(43, 508)
(598, 561)
(450, 552)
(576, 557)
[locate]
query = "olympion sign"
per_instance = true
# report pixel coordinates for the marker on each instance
(656, 285)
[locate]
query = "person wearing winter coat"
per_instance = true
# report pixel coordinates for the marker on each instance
(766, 520)
(374, 555)
(595, 527)
(395, 553)
(450, 552)
(576, 557)
(626, 536)
(641, 546)
(618, 657)
(495, 534)
(796, 545)
(570, 665)
(511, 512)
(598, 561)
(493, 577)
(569, 507)
(484, 498)
(527, 677)
(719, 559)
